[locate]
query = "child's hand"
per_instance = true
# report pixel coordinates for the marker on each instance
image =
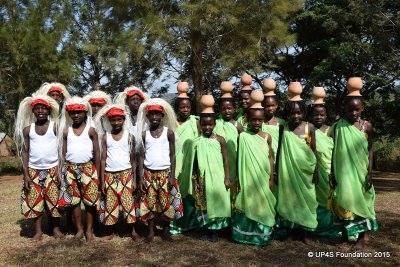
(27, 183)
(170, 179)
(332, 181)
(227, 182)
(140, 186)
(102, 188)
(134, 186)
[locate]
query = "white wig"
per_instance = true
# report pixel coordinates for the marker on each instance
(98, 94)
(25, 116)
(45, 88)
(120, 98)
(169, 119)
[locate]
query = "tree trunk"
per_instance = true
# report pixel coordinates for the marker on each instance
(196, 67)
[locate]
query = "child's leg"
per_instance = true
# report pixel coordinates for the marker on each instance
(77, 213)
(150, 235)
(362, 240)
(165, 235)
(111, 206)
(56, 227)
(38, 228)
(51, 198)
(90, 215)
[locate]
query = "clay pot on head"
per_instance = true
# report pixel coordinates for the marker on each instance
(318, 95)
(354, 85)
(226, 89)
(207, 103)
(294, 91)
(269, 85)
(246, 79)
(182, 88)
(256, 98)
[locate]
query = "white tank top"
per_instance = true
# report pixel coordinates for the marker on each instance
(118, 153)
(43, 153)
(157, 151)
(79, 148)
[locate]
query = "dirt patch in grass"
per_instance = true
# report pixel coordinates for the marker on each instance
(17, 249)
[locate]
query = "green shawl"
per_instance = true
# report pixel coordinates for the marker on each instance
(186, 133)
(296, 192)
(324, 145)
(351, 169)
(255, 198)
(230, 133)
(211, 167)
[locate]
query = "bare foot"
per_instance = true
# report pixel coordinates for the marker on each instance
(89, 236)
(135, 237)
(38, 236)
(79, 234)
(362, 241)
(57, 233)
(150, 237)
(108, 237)
(166, 236)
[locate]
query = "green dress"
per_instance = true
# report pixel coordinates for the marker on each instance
(273, 130)
(297, 204)
(230, 133)
(255, 204)
(185, 135)
(211, 197)
(327, 225)
(352, 202)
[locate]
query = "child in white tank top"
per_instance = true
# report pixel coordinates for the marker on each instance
(37, 145)
(118, 167)
(81, 158)
(161, 197)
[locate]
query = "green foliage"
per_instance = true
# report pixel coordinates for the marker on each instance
(10, 165)
(387, 154)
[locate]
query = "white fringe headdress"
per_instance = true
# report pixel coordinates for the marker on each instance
(97, 95)
(25, 116)
(120, 98)
(66, 120)
(169, 119)
(46, 87)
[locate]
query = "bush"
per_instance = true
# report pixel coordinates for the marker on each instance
(387, 154)
(10, 165)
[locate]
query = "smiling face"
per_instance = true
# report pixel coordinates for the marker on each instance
(256, 119)
(207, 124)
(155, 118)
(270, 106)
(41, 112)
(117, 123)
(353, 107)
(184, 108)
(227, 109)
(134, 103)
(245, 99)
(78, 117)
(296, 113)
(318, 115)
(57, 96)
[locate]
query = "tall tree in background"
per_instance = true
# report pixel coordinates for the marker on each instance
(32, 50)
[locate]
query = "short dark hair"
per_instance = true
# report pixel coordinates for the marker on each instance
(290, 106)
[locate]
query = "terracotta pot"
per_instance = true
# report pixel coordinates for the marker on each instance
(226, 89)
(246, 79)
(256, 97)
(182, 88)
(269, 85)
(354, 85)
(207, 102)
(294, 91)
(318, 95)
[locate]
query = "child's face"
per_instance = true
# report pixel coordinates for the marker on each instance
(256, 118)
(117, 123)
(245, 97)
(155, 118)
(134, 103)
(41, 112)
(184, 108)
(296, 115)
(319, 116)
(78, 117)
(227, 109)
(207, 125)
(353, 109)
(270, 106)
(57, 96)
(95, 108)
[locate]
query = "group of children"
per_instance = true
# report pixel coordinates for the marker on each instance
(262, 176)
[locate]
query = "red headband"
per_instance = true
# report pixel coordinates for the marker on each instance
(112, 112)
(40, 101)
(97, 100)
(133, 92)
(55, 88)
(154, 107)
(75, 107)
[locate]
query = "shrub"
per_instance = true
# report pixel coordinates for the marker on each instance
(10, 165)
(387, 154)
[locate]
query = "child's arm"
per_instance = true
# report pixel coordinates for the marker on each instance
(64, 144)
(227, 180)
(96, 148)
(313, 147)
(370, 131)
(272, 181)
(103, 159)
(25, 158)
(171, 140)
(140, 181)
(133, 161)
